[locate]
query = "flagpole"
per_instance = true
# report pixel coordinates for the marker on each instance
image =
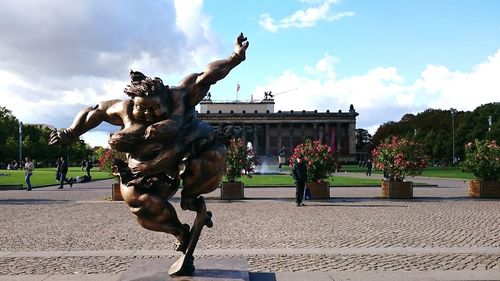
(237, 90)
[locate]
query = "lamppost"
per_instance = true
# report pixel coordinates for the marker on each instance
(453, 113)
(20, 142)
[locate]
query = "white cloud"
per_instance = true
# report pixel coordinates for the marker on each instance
(382, 94)
(96, 138)
(464, 90)
(58, 57)
(317, 11)
(324, 67)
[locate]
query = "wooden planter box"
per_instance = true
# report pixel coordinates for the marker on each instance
(232, 190)
(319, 190)
(116, 194)
(484, 189)
(397, 189)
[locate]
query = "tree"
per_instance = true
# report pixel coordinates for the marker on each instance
(9, 126)
(35, 143)
(363, 141)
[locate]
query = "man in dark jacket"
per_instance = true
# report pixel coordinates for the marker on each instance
(88, 166)
(299, 174)
(62, 170)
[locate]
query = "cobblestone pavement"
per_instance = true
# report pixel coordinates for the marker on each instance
(76, 231)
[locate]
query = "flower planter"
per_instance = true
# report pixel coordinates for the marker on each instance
(232, 190)
(116, 194)
(319, 190)
(397, 189)
(484, 189)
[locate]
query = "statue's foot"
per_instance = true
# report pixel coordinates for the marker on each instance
(183, 241)
(184, 266)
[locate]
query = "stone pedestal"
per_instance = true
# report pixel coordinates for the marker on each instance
(206, 269)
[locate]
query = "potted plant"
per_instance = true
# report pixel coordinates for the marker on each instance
(240, 161)
(482, 159)
(320, 161)
(398, 158)
(106, 158)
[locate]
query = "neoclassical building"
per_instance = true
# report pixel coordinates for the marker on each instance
(268, 130)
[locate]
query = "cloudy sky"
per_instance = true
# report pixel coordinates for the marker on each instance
(385, 57)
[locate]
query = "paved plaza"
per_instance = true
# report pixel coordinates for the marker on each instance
(78, 234)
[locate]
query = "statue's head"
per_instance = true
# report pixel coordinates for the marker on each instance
(150, 96)
(143, 86)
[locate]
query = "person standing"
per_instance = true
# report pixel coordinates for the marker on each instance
(299, 174)
(62, 170)
(29, 166)
(369, 167)
(282, 157)
(88, 167)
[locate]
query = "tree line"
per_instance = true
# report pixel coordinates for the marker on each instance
(442, 133)
(34, 143)
(437, 130)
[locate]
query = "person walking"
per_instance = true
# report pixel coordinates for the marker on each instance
(299, 174)
(29, 166)
(62, 170)
(88, 167)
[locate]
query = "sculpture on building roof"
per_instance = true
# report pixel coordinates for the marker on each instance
(268, 95)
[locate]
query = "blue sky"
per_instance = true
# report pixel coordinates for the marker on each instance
(387, 58)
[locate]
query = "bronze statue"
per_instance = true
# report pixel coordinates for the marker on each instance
(165, 143)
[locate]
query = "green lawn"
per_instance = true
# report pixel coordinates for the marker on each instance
(46, 176)
(286, 180)
(447, 172)
(440, 172)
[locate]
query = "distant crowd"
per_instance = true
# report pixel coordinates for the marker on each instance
(61, 171)
(12, 165)
(19, 165)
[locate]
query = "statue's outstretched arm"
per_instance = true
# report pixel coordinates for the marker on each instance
(198, 84)
(84, 121)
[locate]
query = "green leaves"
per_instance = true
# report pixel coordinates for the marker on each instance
(319, 159)
(240, 160)
(398, 158)
(482, 158)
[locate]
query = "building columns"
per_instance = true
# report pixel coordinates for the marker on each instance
(266, 137)
(352, 138)
(278, 129)
(255, 139)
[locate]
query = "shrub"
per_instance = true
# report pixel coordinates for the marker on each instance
(240, 160)
(107, 159)
(482, 159)
(398, 158)
(319, 159)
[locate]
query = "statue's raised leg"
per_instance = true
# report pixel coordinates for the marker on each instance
(184, 266)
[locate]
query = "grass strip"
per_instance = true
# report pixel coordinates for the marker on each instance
(46, 176)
